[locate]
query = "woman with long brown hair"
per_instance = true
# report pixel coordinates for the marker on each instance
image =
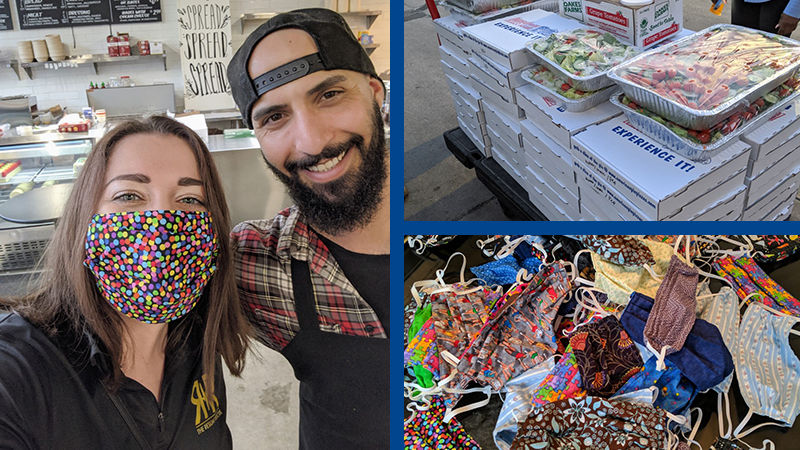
(120, 344)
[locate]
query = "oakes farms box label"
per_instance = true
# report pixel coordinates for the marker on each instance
(643, 27)
(571, 8)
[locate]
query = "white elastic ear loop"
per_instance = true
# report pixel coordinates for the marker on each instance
(740, 432)
(724, 432)
(450, 413)
(420, 284)
(652, 272)
(509, 247)
(695, 428)
(440, 272)
(744, 300)
(578, 278)
(660, 355)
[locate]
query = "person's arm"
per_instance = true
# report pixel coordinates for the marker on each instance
(788, 21)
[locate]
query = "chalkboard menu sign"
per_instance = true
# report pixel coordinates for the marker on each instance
(61, 13)
(132, 11)
(5, 15)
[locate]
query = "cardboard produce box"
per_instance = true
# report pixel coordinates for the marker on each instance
(556, 122)
(657, 181)
(642, 27)
(571, 8)
(503, 40)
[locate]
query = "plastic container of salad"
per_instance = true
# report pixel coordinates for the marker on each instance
(483, 6)
(701, 79)
(571, 99)
(581, 57)
(690, 143)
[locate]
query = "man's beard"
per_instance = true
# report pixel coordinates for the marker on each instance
(349, 202)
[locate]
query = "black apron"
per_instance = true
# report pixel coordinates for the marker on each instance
(344, 380)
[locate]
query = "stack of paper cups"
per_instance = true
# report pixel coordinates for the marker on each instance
(25, 51)
(55, 47)
(40, 50)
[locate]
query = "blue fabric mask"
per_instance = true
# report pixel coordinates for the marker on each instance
(504, 270)
(675, 392)
(704, 358)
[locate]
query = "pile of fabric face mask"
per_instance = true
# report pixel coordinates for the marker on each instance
(602, 341)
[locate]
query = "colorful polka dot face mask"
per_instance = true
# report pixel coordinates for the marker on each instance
(152, 265)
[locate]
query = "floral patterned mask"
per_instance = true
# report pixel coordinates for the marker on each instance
(593, 422)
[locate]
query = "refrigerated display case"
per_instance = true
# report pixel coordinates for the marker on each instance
(28, 167)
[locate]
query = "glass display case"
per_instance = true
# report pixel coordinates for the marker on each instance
(28, 166)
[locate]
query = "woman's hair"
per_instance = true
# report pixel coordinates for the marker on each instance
(66, 294)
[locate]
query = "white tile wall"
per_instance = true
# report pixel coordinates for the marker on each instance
(67, 86)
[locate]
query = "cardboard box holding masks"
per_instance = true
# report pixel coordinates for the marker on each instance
(643, 27)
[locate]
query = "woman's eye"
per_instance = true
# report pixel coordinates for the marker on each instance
(192, 201)
(127, 197)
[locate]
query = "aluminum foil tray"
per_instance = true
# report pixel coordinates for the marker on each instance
(577, 105)
(697, 119)
(482, 6)
(685, 147)
(584, 83)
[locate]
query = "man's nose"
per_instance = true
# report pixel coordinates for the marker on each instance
(311, 131)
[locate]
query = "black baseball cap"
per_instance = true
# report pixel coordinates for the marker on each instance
(337, 48)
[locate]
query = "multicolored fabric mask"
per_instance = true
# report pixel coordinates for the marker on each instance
(593, 422)
(675, 392)
(521, 335)
(774, 248)
(426, 430)
(606, 356)
(704, 358)
(563, 382)
(748, 278)
(422, 355)
(152, 265)
(457, 318)
(619, 249)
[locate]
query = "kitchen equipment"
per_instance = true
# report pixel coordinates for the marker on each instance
(134, 100)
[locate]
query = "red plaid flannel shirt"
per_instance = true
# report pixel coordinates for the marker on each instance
(263, 251)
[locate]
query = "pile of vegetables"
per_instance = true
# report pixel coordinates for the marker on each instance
(541, 75)
(728, 125)
(583, 52)
(712, 69)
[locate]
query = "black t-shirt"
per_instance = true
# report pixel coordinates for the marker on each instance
(370, 276)
(51, 396)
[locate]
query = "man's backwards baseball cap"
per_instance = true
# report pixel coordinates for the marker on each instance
(338, 49)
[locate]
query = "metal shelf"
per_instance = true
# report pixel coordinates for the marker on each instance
(260, 17)
(94, 60)
(60, 173)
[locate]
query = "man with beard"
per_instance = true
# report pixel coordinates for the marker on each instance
(315, 279)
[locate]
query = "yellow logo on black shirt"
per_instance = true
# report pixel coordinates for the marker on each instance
(207, 408)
